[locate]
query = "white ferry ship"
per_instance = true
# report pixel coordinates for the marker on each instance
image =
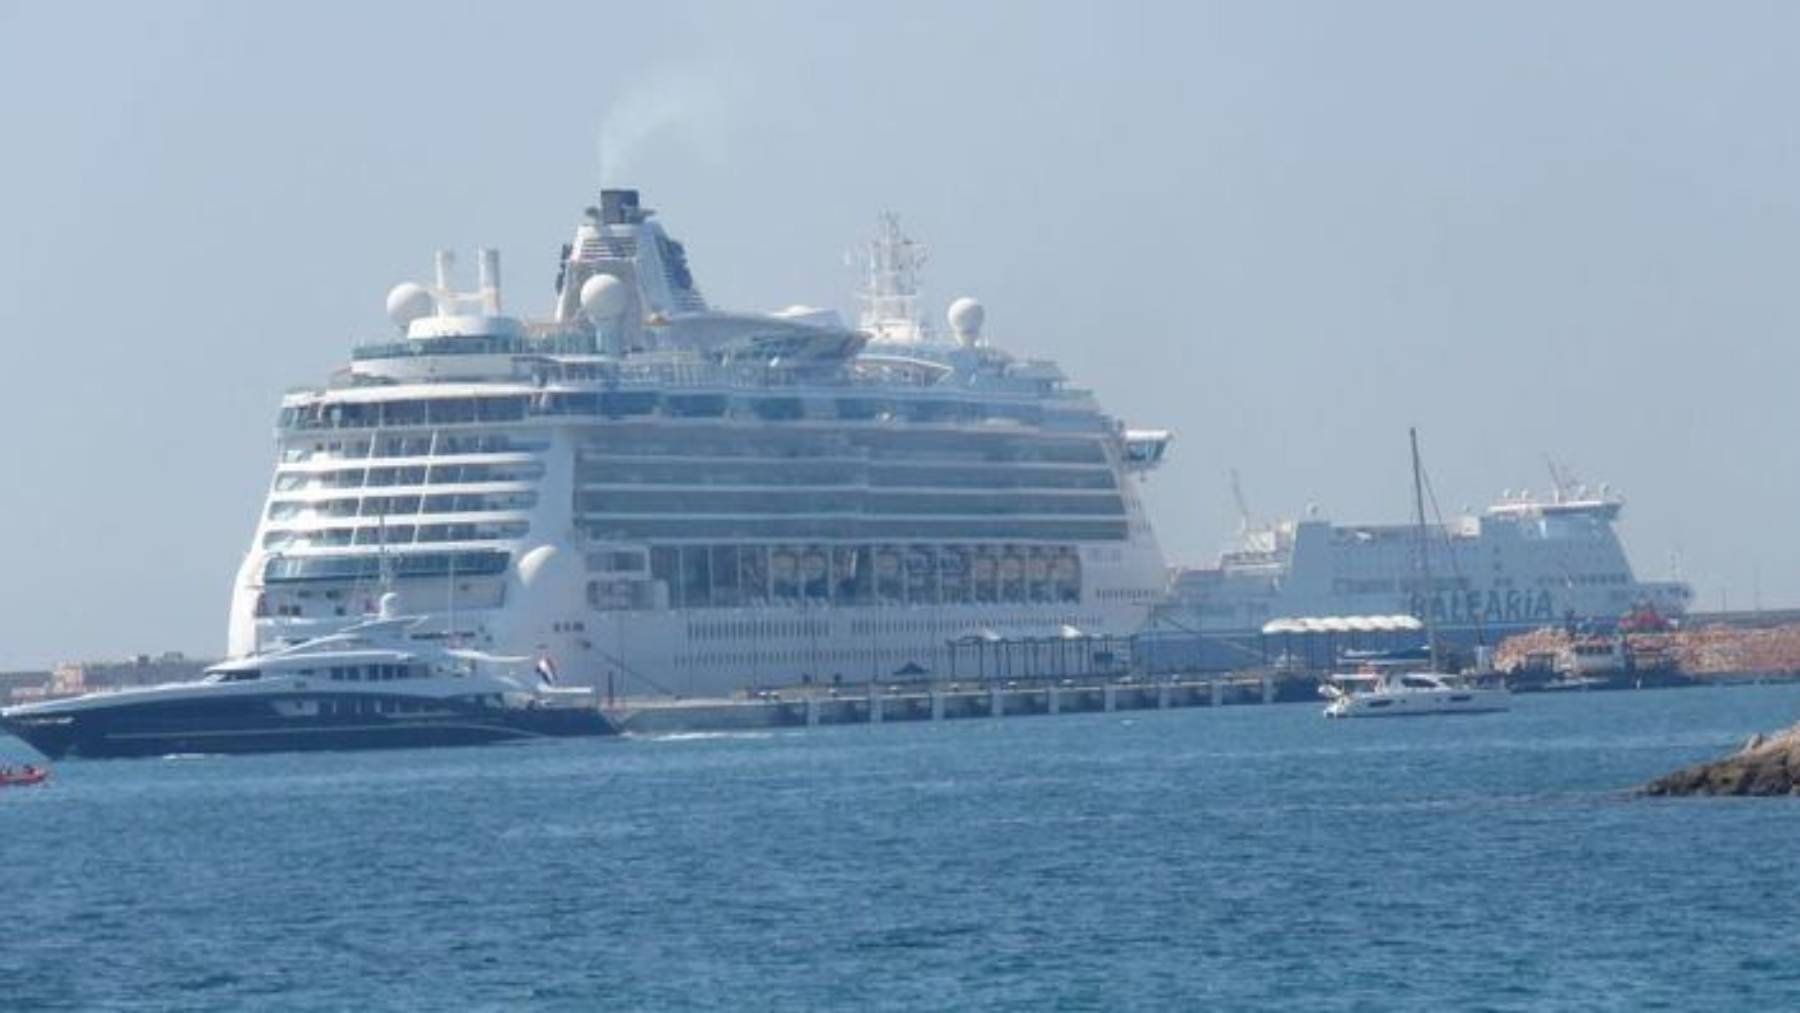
(666, 498)
(1523, 563)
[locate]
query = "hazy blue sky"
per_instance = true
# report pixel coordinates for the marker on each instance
(1284, 230)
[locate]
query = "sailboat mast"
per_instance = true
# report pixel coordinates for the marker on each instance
(1431, 643)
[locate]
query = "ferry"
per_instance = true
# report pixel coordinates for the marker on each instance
(674, 500)
(1523, 563)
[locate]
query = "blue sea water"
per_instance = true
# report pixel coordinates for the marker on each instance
(1256, 857)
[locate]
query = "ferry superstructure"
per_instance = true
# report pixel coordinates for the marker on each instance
(667, 498)
(1522, 563)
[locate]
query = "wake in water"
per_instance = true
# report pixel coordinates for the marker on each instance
(705, 736)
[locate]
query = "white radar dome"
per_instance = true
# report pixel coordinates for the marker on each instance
(966, 316)
(603, 298)
(407, 302)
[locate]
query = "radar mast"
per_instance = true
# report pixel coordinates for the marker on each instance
(890, 293)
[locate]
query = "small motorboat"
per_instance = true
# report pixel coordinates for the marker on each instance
(25, 775)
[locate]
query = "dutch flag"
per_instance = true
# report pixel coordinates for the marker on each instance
(546, 669)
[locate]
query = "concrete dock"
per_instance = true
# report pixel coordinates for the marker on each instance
(811, 706)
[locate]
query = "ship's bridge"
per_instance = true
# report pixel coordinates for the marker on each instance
(1603, 507)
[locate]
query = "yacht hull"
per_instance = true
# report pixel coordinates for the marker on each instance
(112, 734)
(1419, 703)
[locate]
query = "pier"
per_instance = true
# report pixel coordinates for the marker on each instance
(812, 706)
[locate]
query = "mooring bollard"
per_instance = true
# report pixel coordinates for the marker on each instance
(812, 712)
(1109, 698)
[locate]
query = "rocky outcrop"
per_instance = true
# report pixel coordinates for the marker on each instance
(1767, 765)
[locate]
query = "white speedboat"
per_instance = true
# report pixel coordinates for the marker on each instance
(1406, 694)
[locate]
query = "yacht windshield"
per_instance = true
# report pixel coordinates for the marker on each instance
(242, 675)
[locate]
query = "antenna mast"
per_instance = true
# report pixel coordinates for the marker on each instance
(1237, 493)
(1424, 563)
(890, 295)
(384, 564)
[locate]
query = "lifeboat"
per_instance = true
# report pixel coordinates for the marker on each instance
(784, 564)
(887, 563)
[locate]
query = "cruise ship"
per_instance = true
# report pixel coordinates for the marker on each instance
(667, 498)
(1523, 563)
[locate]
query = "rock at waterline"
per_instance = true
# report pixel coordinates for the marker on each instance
(1767, 765)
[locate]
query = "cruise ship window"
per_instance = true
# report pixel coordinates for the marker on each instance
(451, 410)
(501, 409)
(696, 405)
(777, 409)
(618, 404)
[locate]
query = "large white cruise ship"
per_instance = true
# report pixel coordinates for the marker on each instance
(1523, 563)
(664, 498)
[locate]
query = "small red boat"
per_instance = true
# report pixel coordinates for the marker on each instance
(26, 775)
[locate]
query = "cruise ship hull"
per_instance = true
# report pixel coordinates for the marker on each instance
(230, 727)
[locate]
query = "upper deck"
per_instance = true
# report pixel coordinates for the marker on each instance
(629, 337)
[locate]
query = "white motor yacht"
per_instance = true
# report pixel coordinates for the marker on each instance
(1390, 690)
(1403, 694)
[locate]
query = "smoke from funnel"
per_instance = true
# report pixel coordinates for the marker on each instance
(686, 106)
